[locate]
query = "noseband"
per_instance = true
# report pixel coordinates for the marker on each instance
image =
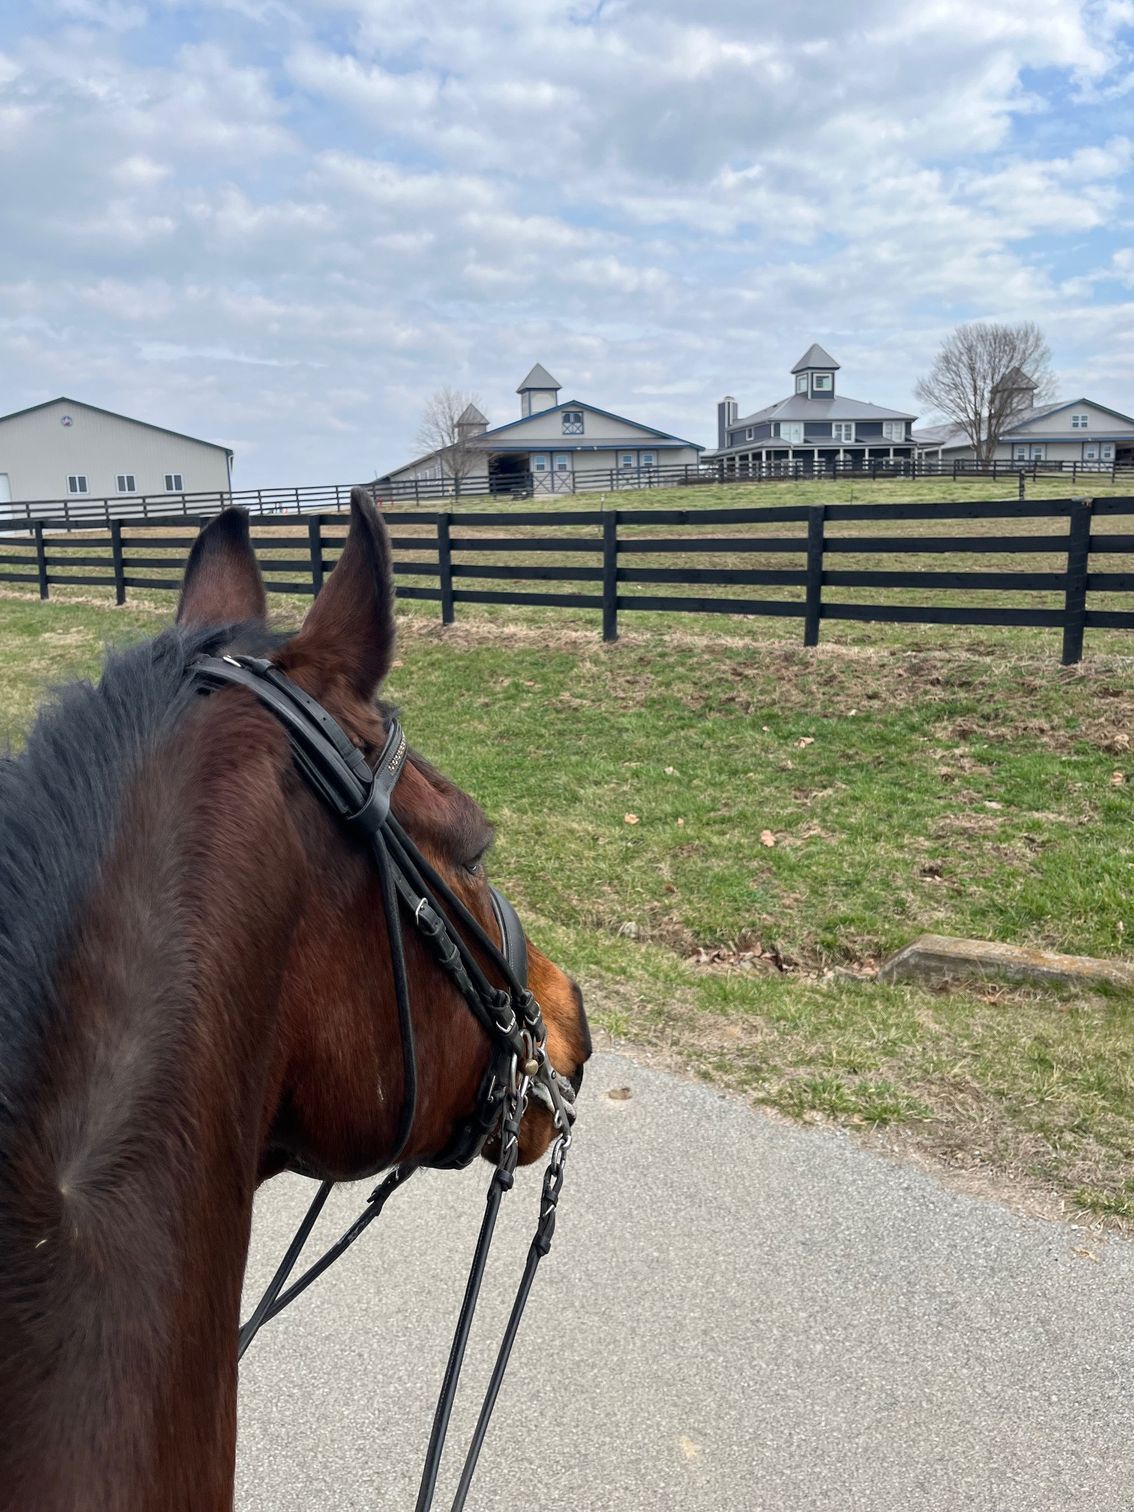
(519, 1068)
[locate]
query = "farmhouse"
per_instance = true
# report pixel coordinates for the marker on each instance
(67, 449)
(815, 425)
(1073, 430)
(549, 445)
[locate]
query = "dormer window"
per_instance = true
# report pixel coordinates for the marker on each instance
(572, 422)
(822, 383)
(801, 384)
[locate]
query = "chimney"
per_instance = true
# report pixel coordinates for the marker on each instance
(726, 419)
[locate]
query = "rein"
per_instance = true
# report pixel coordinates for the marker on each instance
(519, 1067)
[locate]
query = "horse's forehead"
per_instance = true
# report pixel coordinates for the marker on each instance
(451, 810)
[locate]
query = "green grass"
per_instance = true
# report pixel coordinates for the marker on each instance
(904, 790)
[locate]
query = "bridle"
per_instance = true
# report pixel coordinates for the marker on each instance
(518, 1067)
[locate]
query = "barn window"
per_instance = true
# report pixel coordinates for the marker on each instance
(821, 383)
(572, 422)
(627, 459)
(77, 483)
(649, 459)
(125, 483)
(1080, 422)
(842, 430)
(174, 483)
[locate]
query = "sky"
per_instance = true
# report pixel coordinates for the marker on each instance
(283, 226)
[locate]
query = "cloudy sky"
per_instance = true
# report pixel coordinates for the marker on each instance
(282, 225)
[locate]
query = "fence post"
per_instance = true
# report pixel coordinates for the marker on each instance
(1075, 599)
(315, 551)
(1022, 484)
(445, 567)
(812, 606)
(41, 559)
(119, 565)
(610, 575)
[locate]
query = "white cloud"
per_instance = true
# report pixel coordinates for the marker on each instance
(288, 234)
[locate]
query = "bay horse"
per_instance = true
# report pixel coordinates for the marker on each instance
(196, 993)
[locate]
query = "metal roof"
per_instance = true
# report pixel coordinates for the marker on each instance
(815, 357)
(800, 407)
(539, 378)
(114, 415)
(470, 415)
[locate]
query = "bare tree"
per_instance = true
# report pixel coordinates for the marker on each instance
(986, 376)
(449, 424)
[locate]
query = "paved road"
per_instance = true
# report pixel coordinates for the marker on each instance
(736, 1314)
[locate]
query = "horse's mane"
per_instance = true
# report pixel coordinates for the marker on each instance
(60, 802)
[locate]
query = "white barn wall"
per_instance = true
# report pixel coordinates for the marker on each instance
(37, 452)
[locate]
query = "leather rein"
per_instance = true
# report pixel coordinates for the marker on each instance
(519, 1068)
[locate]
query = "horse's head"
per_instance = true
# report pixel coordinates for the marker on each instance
(335, 1087)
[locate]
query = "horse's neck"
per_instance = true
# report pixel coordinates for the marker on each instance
(121, 1392)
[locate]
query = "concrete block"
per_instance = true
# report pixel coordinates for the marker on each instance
(941, 958)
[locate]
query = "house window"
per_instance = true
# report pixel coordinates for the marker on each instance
(174, 483)
(125, 483)
(801, 384)
(893, 430)
(750, 433)
(821, 383)
(649, 459)
(791, 430)
(77, 483)
(842, 430)
(562, 462)
(572, 422)
(1079, 422)
(627, 459)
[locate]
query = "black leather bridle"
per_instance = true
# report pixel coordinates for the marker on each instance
(518, 1068)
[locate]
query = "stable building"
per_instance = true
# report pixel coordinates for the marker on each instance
(1069, 431)
(815, 426)
(548, 448)
(65, 449)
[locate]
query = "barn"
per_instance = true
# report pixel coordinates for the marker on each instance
(65, 449)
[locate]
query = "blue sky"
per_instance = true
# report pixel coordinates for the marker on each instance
(282, 226)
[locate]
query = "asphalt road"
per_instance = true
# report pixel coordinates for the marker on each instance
(736, 1314)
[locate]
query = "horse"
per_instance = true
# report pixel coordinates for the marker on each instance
(198, 993)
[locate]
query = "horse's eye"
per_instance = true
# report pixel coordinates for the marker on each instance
(475, 868)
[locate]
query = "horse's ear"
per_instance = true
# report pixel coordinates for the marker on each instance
(349, 630)
(222, 583)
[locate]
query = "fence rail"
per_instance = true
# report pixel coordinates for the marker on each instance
(608, 564)
(322, 498)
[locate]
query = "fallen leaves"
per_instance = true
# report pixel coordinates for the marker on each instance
(629, 818)
(767, 838)
(1117, 779)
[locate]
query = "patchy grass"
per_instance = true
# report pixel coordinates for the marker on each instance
(721, 839)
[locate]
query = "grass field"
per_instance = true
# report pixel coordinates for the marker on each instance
(722, 838)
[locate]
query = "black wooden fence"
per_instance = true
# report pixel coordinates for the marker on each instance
(320, 498)
(609, 568)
